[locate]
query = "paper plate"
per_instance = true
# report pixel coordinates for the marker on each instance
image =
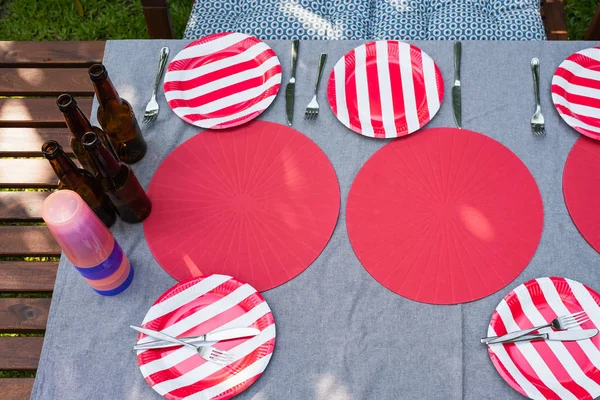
(546, 369)
(196, 307)
(385, 89)
(443, 217)
(576, 91)
(222, 80)
(258, 202)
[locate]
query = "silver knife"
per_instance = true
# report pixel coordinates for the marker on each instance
(162, 336)
(456, 101)
(202, 340)
(563, 336)
(290, 89)
(160, 344)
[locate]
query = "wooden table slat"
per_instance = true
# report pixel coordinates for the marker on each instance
(45, 82)
(20, 353)
(27, 173)
(32, 69)
(27, 241)
(27, 142)
(21, 206)
(16, 388)
(23, 315)
(40, 112)
(25, 276)
(50, 54)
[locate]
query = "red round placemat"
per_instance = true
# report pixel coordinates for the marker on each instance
(444, 217)
(257, 202)
(580, 188)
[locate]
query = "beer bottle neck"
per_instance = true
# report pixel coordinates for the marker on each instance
(106, 92)
(77, 122)
(105, 162)
(62, 165)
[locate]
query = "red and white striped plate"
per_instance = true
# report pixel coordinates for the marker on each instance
(576, 91)
(195, 307)
(547, 369)
(222, 80)
(385, 89)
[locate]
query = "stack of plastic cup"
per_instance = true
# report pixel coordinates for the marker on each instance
(87, 243)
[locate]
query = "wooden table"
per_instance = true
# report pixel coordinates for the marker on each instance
(35, 72)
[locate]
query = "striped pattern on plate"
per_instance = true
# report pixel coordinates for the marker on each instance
(576, 91)
(548, 369)
(385, 89)
(195, 307)
(222, 80)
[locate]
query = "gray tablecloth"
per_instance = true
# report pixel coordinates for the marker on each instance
(340, 334)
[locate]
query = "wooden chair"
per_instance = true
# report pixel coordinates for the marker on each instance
(553, 16)
(158, 19)
(38, 71)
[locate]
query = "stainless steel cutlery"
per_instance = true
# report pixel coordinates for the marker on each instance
(456, 89)
(561, 323)
(152, 107)
(290, 89)
(203, 340)
(537, 121)
(562, 336)
(209, 353)
(312, 110)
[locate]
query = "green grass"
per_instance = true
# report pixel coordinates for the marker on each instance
(102, 19)
(579, 14)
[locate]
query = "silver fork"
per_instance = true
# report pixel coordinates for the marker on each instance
(561, 323)
(215, 355)
(212, 354)
(312, 110)
(152, 107)
(209, 353)
(537, 121)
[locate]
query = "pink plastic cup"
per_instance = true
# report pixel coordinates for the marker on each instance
(87, 243)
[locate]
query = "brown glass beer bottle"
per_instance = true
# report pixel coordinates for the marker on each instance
(118, 181)
(117, 118)
(80, 181)
(78, 124)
